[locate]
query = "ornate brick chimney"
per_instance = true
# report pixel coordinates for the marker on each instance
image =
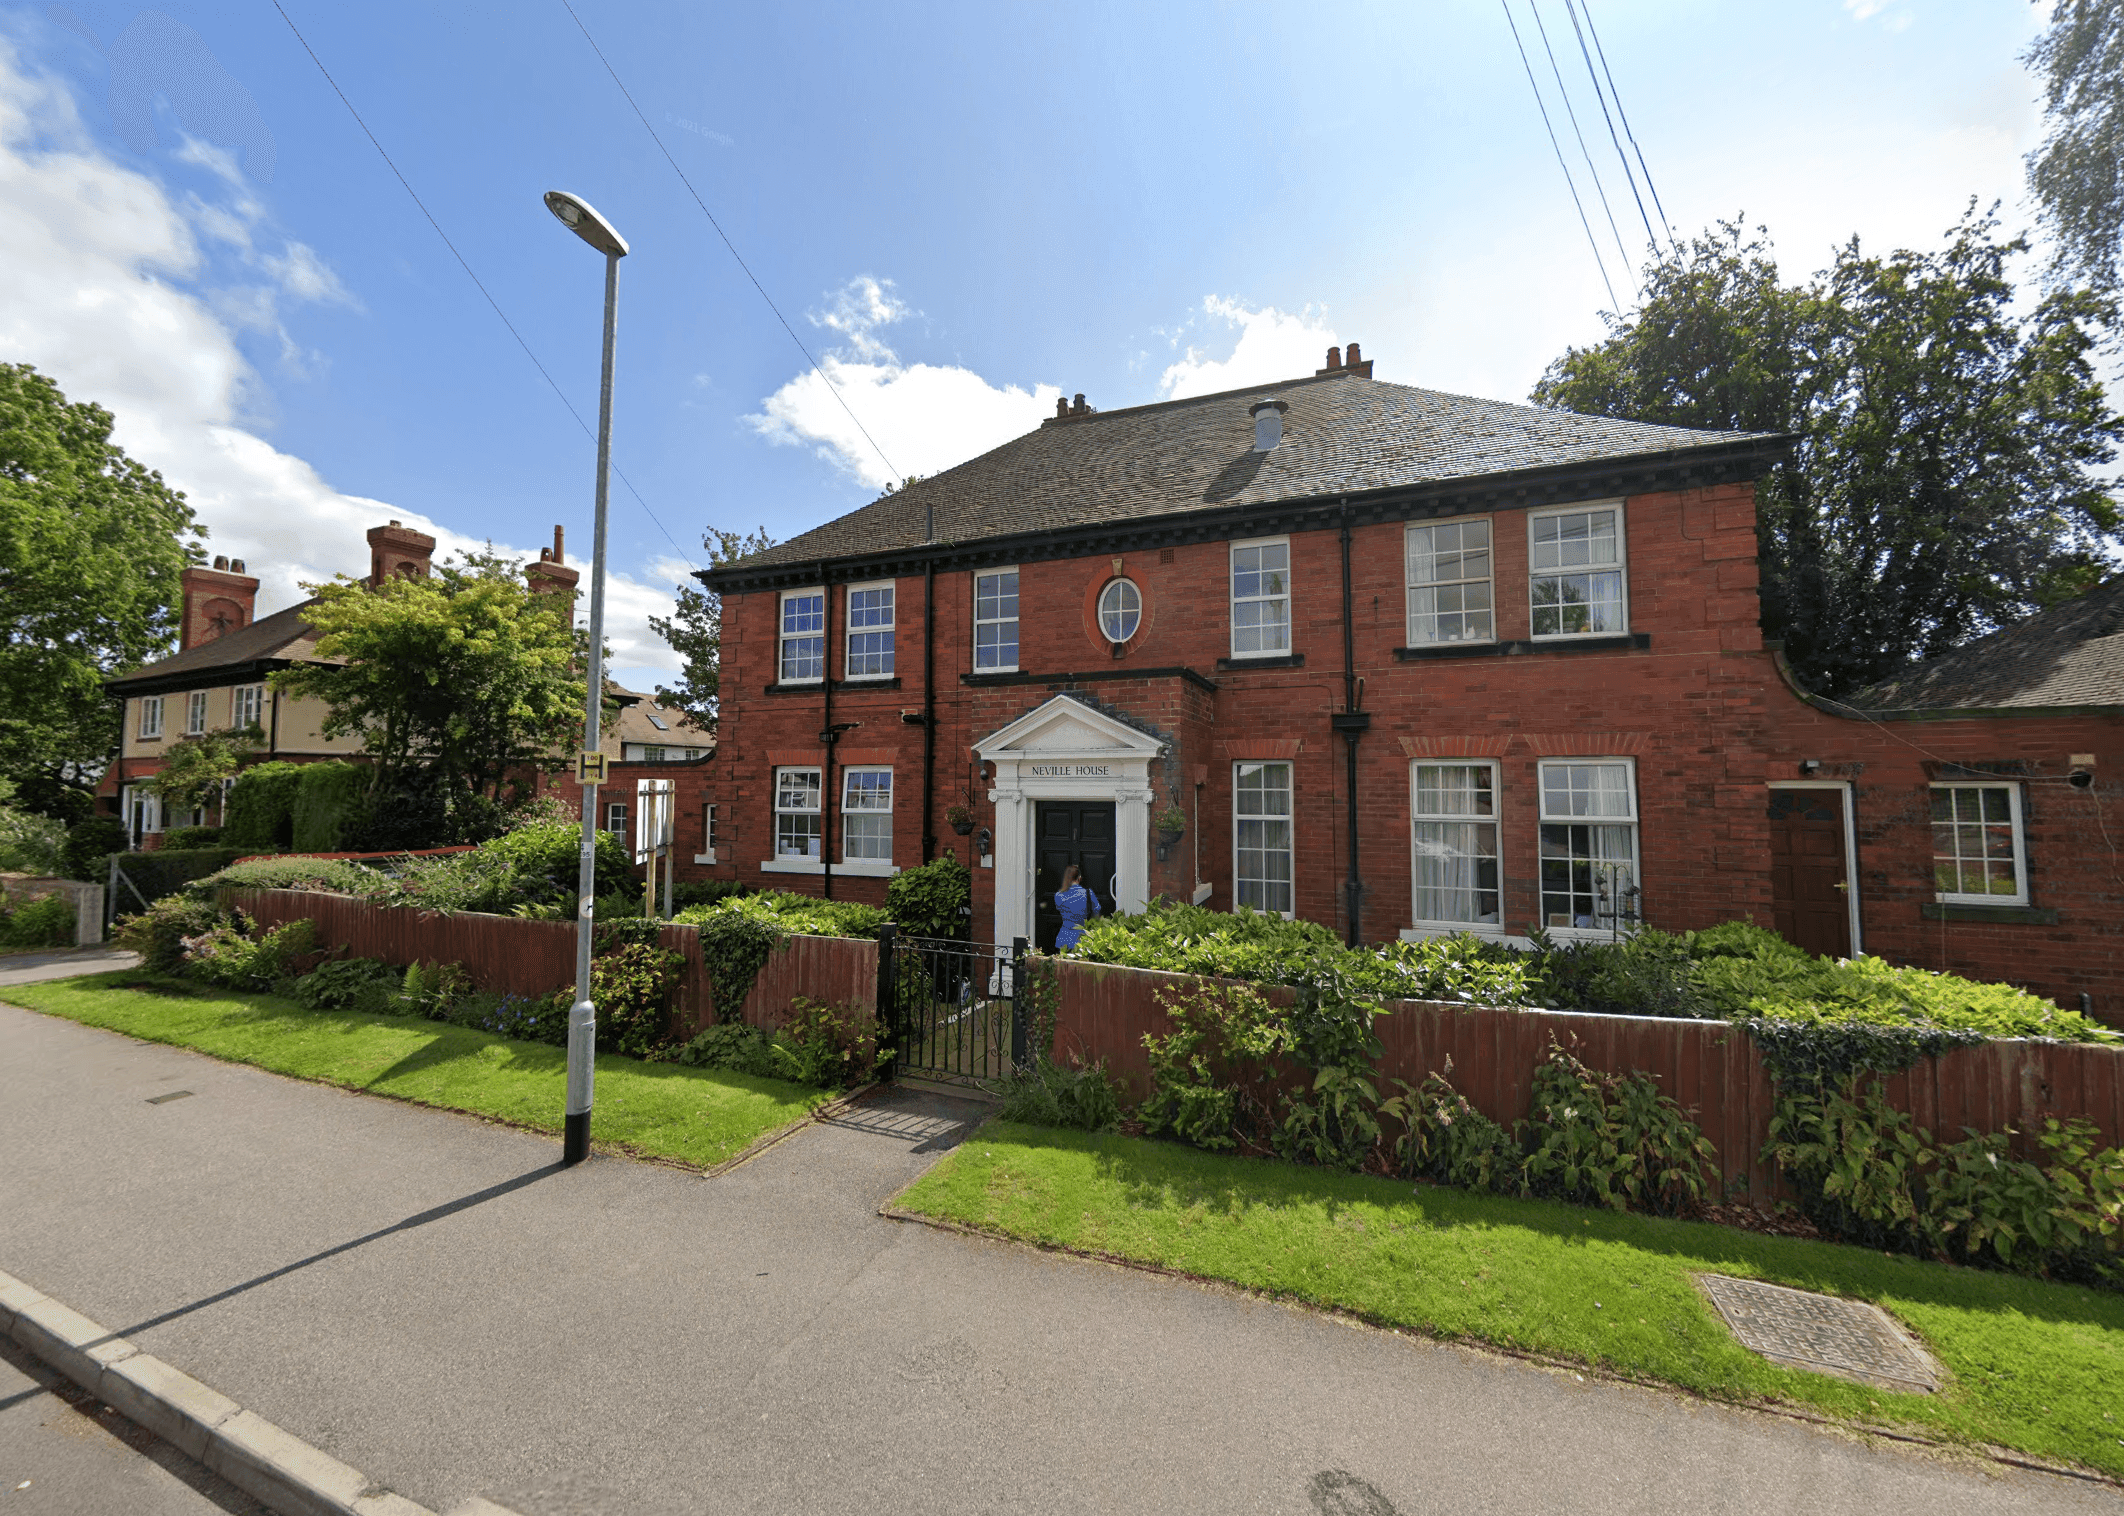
(398, 552)
(217, 601)
(551, 573)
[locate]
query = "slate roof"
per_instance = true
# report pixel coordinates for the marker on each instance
(637, 723)
(1342, 435)
(2069, 655)
(283, 635)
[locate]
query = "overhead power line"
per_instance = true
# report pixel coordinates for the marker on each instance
(1591, 241)
(1598, 188)
(734, 253)
(1651, 237)
(469, 274)
(1586, 6)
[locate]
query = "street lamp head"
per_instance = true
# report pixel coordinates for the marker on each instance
(581, 218)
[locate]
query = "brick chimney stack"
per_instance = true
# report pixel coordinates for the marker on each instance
(1358, 366)
(398, 552)
(217, 601)
(551, 573)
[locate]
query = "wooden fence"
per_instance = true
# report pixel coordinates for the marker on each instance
(1708, 1066)
(538, 957)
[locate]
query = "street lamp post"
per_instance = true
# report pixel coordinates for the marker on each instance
(578, 216)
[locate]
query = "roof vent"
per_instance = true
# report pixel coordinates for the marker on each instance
(1268, 423)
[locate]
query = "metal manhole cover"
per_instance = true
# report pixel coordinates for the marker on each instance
(1848, 1338)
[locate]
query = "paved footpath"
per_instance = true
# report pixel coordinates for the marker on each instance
(432, 1300)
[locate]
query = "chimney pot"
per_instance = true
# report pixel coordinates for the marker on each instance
(220, 562)
(1078, 408)
(1355, 358)
(559, 541)
(236, 566)
(1061, 406)
(1334, 357)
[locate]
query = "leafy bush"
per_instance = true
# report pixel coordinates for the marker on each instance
(331, 876)
(168, 870)
(47, 921)
(1649, 973)
(259, 814)
(328, 800)
(829, 1047)
(1446, 1140)
(531, 866)
(804, 915)
(1612, 1140)
(631, 987)
(89, 845)
(1081, 1096)
(349, 984)
(735, 1046)
(158, 934)
(935, 900)
(226, 954)
(186, 838)
(688, 893)
(1209, 1077)
(528, 1018)
(432, 989)
(32, 844)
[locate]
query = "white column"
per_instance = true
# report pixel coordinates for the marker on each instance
(1013, 871)
(1132, 848)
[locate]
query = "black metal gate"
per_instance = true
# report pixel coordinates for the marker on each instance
(954, 1009)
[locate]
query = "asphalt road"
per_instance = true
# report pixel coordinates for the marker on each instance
(430, 1299)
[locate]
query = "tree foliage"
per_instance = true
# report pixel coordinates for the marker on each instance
(2078, 173)
(450, 681)
(92, 544)
(1945, 477)
(194, 767)
(695, 632)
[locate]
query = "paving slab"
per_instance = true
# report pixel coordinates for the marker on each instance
(431, 1299)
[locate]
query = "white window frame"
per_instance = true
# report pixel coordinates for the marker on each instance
(1013, 620)
(783, 636)
(1099, 610)
(1234, 599)
(150, 725)
(1621, 568)
(1410, 586)
(195, 717)
(853, 783)
(141, 803)
(616, 820)
(2016, 821)
(247, 696)
(709, 812)
(1435, 925)
(1288, 818)
(812, 860)
(1634, 864)
(652, 753)
(850, 631)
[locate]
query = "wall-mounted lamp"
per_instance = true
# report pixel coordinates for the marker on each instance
(1810, 766)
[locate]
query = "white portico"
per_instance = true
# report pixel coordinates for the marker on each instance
(1066, 750)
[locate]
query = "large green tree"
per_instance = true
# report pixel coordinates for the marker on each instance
(451, 681)
(695, 632)
(2078, 172)
(92, 545)
(1947, 477)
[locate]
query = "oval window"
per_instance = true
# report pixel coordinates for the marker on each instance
(1120, 610)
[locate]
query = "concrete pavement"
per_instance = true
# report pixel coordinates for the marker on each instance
(63, 963)
(429, 1298)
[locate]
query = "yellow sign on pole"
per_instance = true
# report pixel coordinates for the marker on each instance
(590, 768)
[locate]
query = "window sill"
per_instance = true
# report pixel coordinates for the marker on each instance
(1263, 661)
(865, 868)
(869, 682)
(1616, 644)
(792, 686)
(1954, 910)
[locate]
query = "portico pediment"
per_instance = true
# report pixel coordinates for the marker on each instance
(1063, 728)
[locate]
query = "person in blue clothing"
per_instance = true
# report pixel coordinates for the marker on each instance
(1077, 905)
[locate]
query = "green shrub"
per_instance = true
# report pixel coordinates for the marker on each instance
(1080, 1096)
(803, 915)
(829, 1047)
(228, 955)
(349, 984)
(158, 934)
(533, 866)
(1612, 1140)
(1648, 973)
(167, 870)
(1446, 1140)
(334, 876)
(528, 1018)
(935, 900)
(47, 921)
(631, 987)
(259, 814)
(1209, 1077)
(431, 989)
(187, 838)
(688, 893)
(328, 799)
(32, 844)
(89, 845)
(732, 1045)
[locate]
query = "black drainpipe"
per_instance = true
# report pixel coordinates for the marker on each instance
(827, 736)
(929, 709)
(1352, 723)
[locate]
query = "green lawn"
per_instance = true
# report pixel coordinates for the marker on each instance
(660, 1110)
(2035, 1366)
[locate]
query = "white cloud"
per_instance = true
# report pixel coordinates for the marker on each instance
(925, 417)
(1273, 345)
(98, 260)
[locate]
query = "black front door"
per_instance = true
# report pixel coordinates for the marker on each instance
(1066, 832)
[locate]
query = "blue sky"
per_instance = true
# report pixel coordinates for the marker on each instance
(961, 209)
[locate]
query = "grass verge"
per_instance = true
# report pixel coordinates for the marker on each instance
(694, 1116)
(2035, 1366)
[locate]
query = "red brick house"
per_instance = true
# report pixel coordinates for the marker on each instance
(1402, 662)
